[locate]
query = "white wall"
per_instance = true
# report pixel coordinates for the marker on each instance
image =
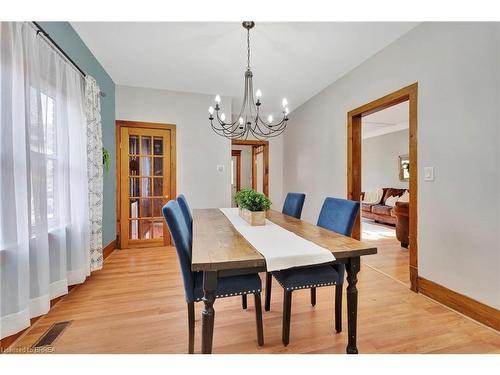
(199, 149)
(380, 160)
(456, 66)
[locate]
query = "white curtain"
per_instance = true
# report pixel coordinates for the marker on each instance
(94, 161)
(44, 218)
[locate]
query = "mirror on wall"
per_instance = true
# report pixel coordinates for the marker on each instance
(404, 167)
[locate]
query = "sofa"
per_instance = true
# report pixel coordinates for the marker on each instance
(381, 213)
(401, 211)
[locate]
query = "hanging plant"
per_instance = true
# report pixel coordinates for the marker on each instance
(105, 160)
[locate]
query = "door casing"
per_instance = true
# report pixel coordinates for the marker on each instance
(265, 150)
(173, 168)
(410, 94)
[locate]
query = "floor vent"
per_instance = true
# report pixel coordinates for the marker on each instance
(52, 334)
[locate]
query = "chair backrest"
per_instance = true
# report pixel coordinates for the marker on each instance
(186, 211)
(183, 244)
(338, 215)
(293, 204)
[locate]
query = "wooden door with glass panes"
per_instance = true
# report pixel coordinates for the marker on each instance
(145, 186)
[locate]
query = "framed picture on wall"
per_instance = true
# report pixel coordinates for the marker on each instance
(404, 168)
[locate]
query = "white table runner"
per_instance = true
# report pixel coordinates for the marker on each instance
(281, 248)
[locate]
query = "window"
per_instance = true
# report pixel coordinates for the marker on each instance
(43, 145)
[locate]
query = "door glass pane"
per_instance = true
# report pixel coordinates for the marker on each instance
(146, 209)
(158, 146)
(158, 229)
(158, 167)
(146, 187)
(146, 145)
(133, 166)
(158, 187)
(134, 230)
(134, 187)
(157, 206)
(146, 229)
(133, 144)
(134, 208)
(145, 166)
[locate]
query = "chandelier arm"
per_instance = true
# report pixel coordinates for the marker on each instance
(277, 128)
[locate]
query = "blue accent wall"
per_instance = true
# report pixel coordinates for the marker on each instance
(67, 38)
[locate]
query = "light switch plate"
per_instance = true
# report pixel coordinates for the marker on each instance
(429, 174)
(220, 168)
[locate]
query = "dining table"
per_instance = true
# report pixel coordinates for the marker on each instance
(219, 250)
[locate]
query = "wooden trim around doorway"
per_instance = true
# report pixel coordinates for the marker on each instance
(410, 94)
(173, 162)
(237, 154)
(256, 146)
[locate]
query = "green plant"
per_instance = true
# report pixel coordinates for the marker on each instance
(105, 159)
(252, 201)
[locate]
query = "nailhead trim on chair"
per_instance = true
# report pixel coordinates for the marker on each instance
(233, 294)
(305, 286)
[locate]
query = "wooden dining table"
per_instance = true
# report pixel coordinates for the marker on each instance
(219, 250)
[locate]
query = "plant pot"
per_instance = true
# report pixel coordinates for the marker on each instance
(254, 218)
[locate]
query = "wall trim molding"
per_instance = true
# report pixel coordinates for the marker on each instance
(9, 340)
(476, 310)
(108, 249)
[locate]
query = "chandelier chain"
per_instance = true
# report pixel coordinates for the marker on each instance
(248, 49)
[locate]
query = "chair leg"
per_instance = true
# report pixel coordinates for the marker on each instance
(258, 319)
(269, 281)
(191, 327)
(338, 308)
(313, 296)
(244, 301)
(287, 310)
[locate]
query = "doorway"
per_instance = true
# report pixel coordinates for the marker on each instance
(249, 166)
(145, 182)
(354, 163)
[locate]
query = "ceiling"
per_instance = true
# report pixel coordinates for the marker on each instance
(389, 120)
(292, 60)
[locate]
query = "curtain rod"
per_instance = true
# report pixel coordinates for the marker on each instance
(46, 35)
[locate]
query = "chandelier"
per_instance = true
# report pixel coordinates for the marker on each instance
(249, 121)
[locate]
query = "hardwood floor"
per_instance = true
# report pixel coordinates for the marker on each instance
(391, 258)
(136, 305)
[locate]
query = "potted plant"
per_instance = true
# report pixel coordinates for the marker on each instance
(253, 206)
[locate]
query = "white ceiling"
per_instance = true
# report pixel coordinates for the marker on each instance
(389, 120)
(292, 60)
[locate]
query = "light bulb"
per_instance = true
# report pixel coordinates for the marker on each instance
(286, 110)
(284, 102)
(270, 118)
(258, 94)
(217, 98)
(241, 120)
(223, 117)
(211, 110)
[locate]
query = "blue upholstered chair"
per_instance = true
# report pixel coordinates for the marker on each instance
(193, 281)
(337, 215)
(293, 204)
(186, 211)
(292, 207)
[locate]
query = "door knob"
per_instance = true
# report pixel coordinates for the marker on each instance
(167, 196)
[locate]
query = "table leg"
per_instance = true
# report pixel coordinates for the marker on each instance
(353, 266)
(208, 313)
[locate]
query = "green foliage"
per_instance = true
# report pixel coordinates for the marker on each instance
(252, 201)
(105, 159)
